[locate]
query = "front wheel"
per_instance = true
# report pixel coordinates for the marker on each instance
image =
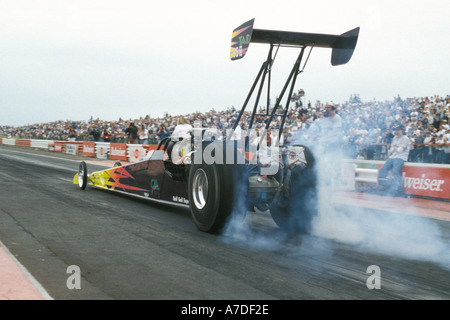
(82, 175)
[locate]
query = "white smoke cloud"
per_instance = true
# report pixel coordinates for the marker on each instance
(403, 235)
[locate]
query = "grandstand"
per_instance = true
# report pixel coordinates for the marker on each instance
(366, 126)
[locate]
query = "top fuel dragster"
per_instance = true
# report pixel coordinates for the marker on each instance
(218, 176)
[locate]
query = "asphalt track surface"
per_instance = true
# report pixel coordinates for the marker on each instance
(127, 248)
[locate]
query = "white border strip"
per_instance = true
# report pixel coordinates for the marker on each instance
(30, 277)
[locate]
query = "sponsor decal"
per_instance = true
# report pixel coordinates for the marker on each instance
(154, 188)
(180, 199)
(240, 40)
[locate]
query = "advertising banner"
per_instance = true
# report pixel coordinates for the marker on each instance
(136, 153)
(71, 149)
(23, 142)
(118, 151)
(102, 149)
(426, 181)
(58, 146)
(89, 149)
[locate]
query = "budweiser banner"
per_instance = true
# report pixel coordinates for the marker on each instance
(89, 149)
(426, 181)
(118, 151)
(58, 146)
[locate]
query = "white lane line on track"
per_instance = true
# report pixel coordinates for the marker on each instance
(36, 162)
(40, 155)
(99, 162)
(17, 156)
(26, 292)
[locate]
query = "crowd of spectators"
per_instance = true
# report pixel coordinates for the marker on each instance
(367, 126)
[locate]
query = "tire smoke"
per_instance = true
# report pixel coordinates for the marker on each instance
(404, 235)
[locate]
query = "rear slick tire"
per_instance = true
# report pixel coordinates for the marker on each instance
(211, 194)
(216, 191)
(295, 211)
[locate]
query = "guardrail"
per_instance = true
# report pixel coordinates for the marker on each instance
(101, 150)
(421, 179)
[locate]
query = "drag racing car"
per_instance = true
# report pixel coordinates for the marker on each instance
(219, 176)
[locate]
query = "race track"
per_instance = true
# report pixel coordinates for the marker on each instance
(127, 248)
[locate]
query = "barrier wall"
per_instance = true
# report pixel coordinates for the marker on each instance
(10, 142)
(41, 144)
(427, 182)
(88, 149)
(23, 142)
(421, 179)
(118, 151)
(102, 150)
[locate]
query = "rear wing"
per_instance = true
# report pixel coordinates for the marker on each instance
(343, 45)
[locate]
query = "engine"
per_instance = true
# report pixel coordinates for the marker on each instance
(263, 189)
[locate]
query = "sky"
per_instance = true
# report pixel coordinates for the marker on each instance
(109, 59)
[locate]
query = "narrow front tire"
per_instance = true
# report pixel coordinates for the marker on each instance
(82, 175)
